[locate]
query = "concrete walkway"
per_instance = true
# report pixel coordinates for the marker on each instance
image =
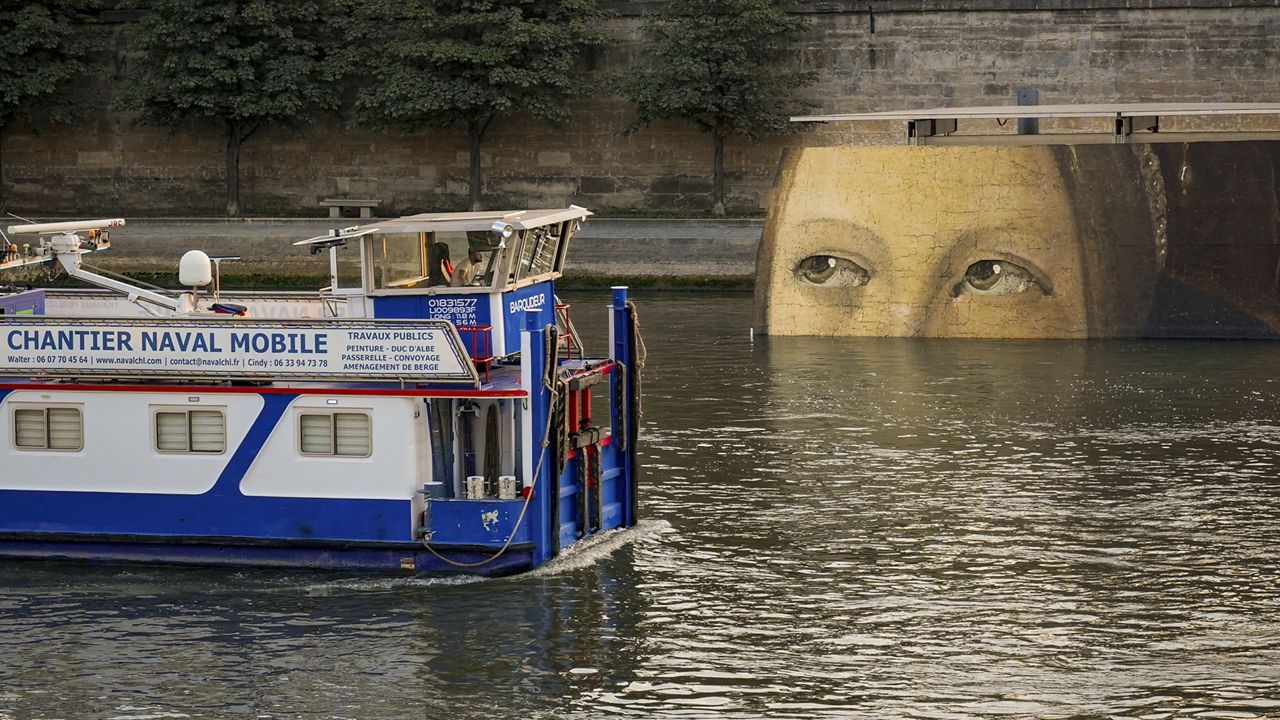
(687, 252)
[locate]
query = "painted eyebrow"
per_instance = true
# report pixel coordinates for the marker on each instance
(850, 229)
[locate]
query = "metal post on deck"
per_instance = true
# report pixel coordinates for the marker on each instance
(622, 351)
(542, 526)
(618, 324)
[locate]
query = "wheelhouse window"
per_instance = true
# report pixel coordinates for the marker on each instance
(48, 428)
(411, 261)
(399, 260)
(190, 431)
(339, 434)
(538, 251)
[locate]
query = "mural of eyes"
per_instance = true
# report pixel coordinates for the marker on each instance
(832, 271)
(998, 277)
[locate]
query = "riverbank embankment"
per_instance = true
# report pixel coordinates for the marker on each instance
(646, 253)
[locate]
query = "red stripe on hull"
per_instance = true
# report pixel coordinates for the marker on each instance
(269, 389)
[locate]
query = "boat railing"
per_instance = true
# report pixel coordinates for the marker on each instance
(480, 345)
(567, 334)
(331, 302)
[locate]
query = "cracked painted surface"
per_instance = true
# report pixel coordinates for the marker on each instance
(1010, 242)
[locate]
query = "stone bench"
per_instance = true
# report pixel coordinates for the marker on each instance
(336, 206)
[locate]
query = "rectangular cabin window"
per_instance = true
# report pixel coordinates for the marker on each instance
(191, 431)
(48, 428)
(335, 434)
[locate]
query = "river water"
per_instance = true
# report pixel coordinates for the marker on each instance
(851, 528)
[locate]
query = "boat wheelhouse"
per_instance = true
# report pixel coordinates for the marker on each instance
(432, 410)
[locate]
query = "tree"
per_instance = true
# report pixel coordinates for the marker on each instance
(721, 65)
(237, 63)
(40, 52)
(464, 63)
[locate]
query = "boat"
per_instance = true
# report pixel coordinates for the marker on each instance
(422, 414)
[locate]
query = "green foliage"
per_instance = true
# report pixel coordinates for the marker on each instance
(242, 62)
(39, 52)
(238, 62)
(720, 64)
(446, 62)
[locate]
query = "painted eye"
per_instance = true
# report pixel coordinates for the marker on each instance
(832, 271)
(998, 277)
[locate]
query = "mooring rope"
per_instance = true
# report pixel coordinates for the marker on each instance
(641, 353)
(553, 388)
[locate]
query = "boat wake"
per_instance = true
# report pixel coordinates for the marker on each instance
(581, 555)
(588, 552)
(382, 584)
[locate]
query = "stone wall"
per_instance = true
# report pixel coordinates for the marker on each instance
(903, 53)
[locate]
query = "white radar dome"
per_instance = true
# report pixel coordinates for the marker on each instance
(195, 269)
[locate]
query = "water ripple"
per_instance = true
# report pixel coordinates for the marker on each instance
(834, 528)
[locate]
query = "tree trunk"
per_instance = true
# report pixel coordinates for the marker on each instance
(475, 132)
(3, 207)
(233, 169)
(717, 178)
